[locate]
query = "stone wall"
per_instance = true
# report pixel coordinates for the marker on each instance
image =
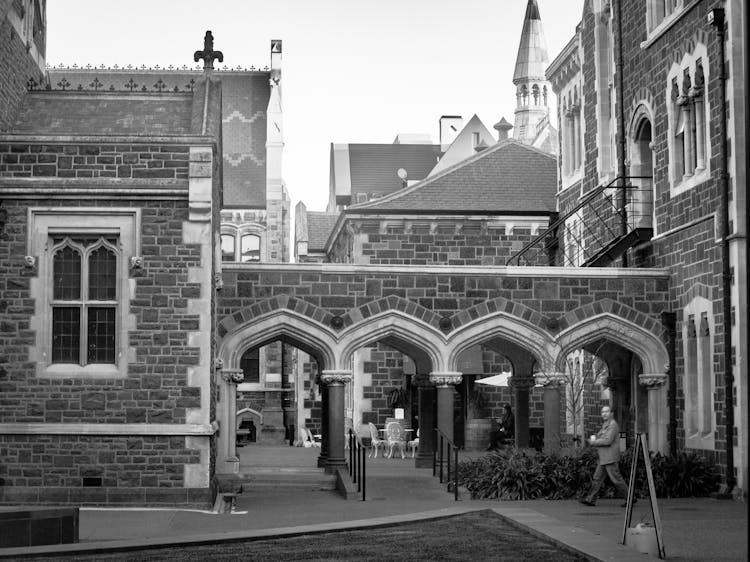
(156, 389)
(445, 242)
(100, 160)
(16, 68)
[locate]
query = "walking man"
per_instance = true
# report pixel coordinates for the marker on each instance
(607, 445)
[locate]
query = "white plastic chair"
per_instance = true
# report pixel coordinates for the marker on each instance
(375, 441)
(414, 444)
(394, 434)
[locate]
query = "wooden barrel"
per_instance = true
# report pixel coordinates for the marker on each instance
(478, 433)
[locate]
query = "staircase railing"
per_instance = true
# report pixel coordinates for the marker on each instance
(357, 463)
(450, 449)
(580, 235)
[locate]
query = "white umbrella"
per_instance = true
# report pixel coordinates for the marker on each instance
(495, 380)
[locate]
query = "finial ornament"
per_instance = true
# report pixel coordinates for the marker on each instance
(208, 54)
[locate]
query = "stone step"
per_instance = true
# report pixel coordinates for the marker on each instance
(283, 478)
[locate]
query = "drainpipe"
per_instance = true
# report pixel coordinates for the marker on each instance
(716, 19)
(621, 145)
(669, 321)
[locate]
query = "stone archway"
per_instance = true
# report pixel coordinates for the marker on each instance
(637, 359)
(279, 324)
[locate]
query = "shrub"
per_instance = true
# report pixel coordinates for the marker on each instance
(516, 474)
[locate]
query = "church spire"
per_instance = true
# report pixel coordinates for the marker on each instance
(532, 89)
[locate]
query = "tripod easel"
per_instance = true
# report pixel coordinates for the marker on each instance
(642, 445)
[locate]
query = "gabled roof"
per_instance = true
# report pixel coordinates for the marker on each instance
(463, 145)
(319, 228)
(371, 169)
(509, 177)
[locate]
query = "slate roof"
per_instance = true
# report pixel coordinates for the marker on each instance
(245, 96)
(319, 228)
(90, 113)
(532, 59)
(509, 177)
(373, 167)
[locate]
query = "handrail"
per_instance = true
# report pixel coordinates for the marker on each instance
(440, 436)
(357, 463)
(587, 199)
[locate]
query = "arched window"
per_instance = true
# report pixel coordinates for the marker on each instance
(84, 301)
(250, 365)
(227, 247)
(250, 248)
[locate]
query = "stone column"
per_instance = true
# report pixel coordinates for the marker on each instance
(426, 421)
(334, 382)
(521, 386)
(445, 383)
(324, 444)
(551, 383)
(657, 436)
(230, 378)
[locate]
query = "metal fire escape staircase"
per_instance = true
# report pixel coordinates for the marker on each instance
(598, 230)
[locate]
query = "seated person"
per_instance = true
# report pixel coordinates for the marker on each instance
(505, 430)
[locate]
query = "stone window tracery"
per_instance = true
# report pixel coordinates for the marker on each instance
(698, 376)
(84, 300)
(688, 139)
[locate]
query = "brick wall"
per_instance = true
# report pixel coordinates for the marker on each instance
(102, 160)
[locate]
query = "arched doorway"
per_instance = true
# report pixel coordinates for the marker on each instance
(641, 201)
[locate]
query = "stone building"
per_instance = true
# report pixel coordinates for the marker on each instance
(122, 192)
(642, 98)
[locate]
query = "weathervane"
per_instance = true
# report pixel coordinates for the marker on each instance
(208, 54)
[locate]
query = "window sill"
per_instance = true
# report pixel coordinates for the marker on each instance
(571, 181)
(690, 182)
(69, 370)
(667, 23)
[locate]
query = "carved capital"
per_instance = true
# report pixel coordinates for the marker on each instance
(421, 380)
(232, 376)
(335, 377)
(550, 380)
(521, 383)
(219, 281)
(218, 363)
(136, 262)
(652, 380)
(445, 379)
(29, 261)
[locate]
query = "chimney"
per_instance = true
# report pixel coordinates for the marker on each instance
(450, 126)
(502, 127)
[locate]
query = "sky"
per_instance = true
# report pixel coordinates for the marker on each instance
(353, 71)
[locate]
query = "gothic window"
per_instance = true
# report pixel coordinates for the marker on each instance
(84, 300)
(250, 365)
(688, 139)
(698, 380)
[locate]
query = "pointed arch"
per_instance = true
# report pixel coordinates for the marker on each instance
(502, 324)
(646, 344)
(290, 326)
(420, 337)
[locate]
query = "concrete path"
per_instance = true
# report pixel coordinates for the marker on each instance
(694, 529)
